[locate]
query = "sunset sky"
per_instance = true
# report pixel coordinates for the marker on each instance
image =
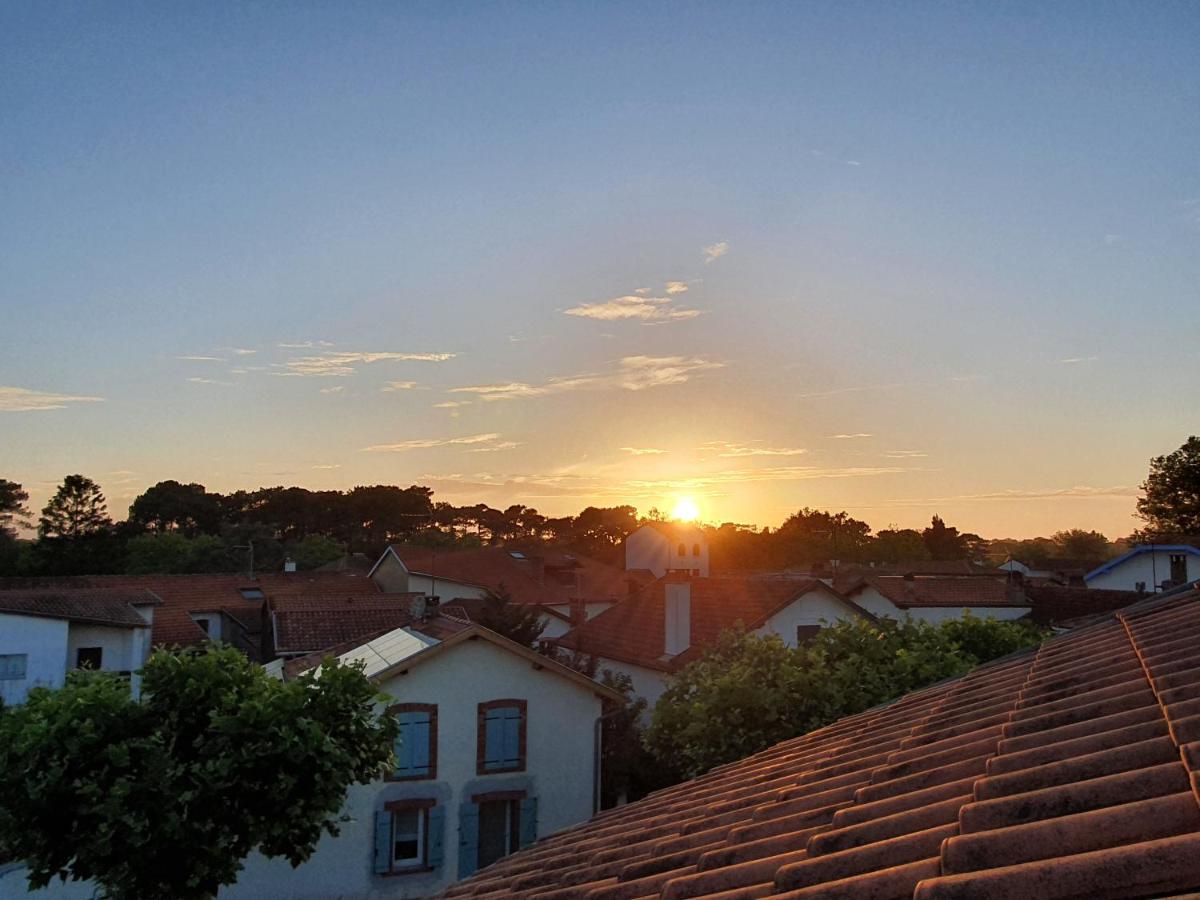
(896, 259)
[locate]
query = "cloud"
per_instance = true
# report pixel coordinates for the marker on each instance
(503, 445)
(633, 373)
(399, 386)
(211, 381)
(728, 449)
(845, 437)
(1078, 359)
(643, 451)
(202, 358)
(677, 287)
(853, 390)
(240, 351)
(328, 466)
(1082, 492)
(304, 345)
(715, 251)
(426, 443)
(451, 404)
(344, 363)
(904, 454)
(645, 309)
(333, 390)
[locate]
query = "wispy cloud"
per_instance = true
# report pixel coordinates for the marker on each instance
(1083, 492)
(715, 251)
(1072, 360)
(202, 358)
(336, 389)
(503, 445)
(303, 345)
(399, 386)
(211, 381)
(327, 466)
(643, 451)
(677, 287)
(853, 390)
(848, 437)
(633, 373)
(426, 443)
(729, 449)
(345, 363)
(451, 404)
(904, 454)
(644, 309)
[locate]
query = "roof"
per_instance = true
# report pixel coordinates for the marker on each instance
(1055, 603)
(307, 624)
(546, 576)
(183, 594)
(676, 531)
(113, 607)
(1068, 771)
(1138, 551)
(635, 631)
(922, 591)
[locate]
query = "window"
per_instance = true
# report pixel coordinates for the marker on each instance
(408, 837)
(12, 666)
(252, 593)
(682, 550)
(516, 554)
(501, 738)
(89, 658)
(1178, 568)
(695, 549)
(805, 633)
(416, 743)
(203, 623)
(492, 826)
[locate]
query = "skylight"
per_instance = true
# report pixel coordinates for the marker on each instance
(516, 554)
(252, 593)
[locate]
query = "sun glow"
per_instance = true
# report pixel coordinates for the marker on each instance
(686, 510)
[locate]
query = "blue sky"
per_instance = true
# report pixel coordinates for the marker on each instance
(970, 234)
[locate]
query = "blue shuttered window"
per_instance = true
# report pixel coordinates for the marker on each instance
(468, 839)
(409, 837)
(529, 822)
(503, 743)
(383, 842)
(414, 745)
(435, 851)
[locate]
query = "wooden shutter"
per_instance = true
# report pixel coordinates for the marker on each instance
(494, 738)
(468, 839)
(529, 823)
(383, 842)
(412, 744)
(435, 851)
(513, 721)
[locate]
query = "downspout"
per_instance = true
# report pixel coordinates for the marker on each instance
(598, 730)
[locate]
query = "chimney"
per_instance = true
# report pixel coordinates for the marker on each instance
(678, 610)
(289, 565)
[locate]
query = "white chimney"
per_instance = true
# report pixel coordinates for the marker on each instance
(678, 617)
(289, 565)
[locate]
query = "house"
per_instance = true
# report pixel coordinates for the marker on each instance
(45, 633)
(670, 622)
(662, 547)
(1148, 567)
(1070, 770)
(565, 587)
(936, 598)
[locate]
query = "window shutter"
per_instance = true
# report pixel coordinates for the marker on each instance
(437, 828)
(493, 747)
(529, 823)
(403, 746)
(512, 736)
(419, 757)
(468, 839)
(383, 842)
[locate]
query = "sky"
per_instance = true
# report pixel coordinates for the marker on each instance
(896, 259)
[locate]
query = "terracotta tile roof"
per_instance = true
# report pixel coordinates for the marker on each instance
(634, 631)
(184, 594)
(308, 624)
(945, 590)
(546, 576)
(438, 627)
(1054, 603)
(98, 606)
(1069, 771)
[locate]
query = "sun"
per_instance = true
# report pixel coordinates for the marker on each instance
(686, 510)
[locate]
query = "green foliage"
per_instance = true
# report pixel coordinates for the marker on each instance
(943, 541)
(172, 553)
(164, 799)
(1170, 501)
(314, 550)
(749, 692)
(171, 506)
(1077, 543)
(13, 512)
(898, 546)
(76, 510)
(628, 770)
(518, 622)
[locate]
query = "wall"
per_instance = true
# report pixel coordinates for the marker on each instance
(874, 602)
(390, 574)
(117, 645)
(44, 641)
(647, 548)
(445, 588)
(648, 683)
(813, 608)
(1150, 567)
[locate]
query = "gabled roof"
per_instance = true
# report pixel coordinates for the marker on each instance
(635, 631)
(309, 624)
(545, 576)
(1054, 603)
(1138, 551)
(94, 606)
(1069, 771)
(921, 591)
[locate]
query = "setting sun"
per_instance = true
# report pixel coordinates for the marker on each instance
(686, 510)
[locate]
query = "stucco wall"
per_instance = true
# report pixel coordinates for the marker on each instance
(44, 641)
(648, 683)
(813, 608)
(649, 548)
(117, 646)
(872, 601)
(390, 575)
(1151, 568)
(445, 588)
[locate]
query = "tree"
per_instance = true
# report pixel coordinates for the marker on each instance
(813, 536)
(172, 553)
(943, 541)
(171, 506)
(628, 771)
(902, 545)
(165, 798)
(520, 623)
(76, 510)
(1076, 543)
(13, 512)
(1170, 501)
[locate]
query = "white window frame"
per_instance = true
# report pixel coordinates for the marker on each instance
(410, 862)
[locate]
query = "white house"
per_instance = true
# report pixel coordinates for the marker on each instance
(937, 598)
(1148, 567)
(45, 633)
(498, 747)
(670, 622)
(662, 547)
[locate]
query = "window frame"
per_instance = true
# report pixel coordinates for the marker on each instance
(432, 709)
(481, 767)
(4, 666)
(422, 807)
(1177, 564)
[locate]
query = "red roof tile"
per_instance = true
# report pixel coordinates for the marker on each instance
(944, 590)
(112, 606)
(634, 631)
(309, 624)
(1069, 771)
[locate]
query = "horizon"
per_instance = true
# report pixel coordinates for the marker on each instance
(894, 261)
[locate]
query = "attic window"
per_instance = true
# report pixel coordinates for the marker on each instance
(252, 593)
(516, 554)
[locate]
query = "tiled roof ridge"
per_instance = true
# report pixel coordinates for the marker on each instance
(1067, 771)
